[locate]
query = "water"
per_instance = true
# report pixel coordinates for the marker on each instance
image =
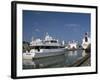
(64, 60)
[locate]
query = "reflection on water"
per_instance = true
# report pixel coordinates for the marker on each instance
(84, 53)
(55, 61)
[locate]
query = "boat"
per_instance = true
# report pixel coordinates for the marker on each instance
(72, 45)
(44, 48)
(86, 43)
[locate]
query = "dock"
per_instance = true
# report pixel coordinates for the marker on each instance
(85, 61)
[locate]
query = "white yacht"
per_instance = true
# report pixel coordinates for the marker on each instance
(72, 45)
(44, 48)
(86, 42)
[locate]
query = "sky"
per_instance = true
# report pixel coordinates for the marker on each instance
(60, 25)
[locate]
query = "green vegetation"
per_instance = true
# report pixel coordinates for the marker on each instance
(26, 46)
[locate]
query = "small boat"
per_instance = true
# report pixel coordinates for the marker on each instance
(72, 45)
(86, 43)
(44, 48)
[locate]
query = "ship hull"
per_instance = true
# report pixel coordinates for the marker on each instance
(88, 49)
(34, 55)
(86, 46)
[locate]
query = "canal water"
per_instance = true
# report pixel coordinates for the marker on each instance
(64, 60)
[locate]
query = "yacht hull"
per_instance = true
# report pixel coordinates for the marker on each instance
(42, 54)
(86, 45)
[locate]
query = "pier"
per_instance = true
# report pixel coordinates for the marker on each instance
(85, 61)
